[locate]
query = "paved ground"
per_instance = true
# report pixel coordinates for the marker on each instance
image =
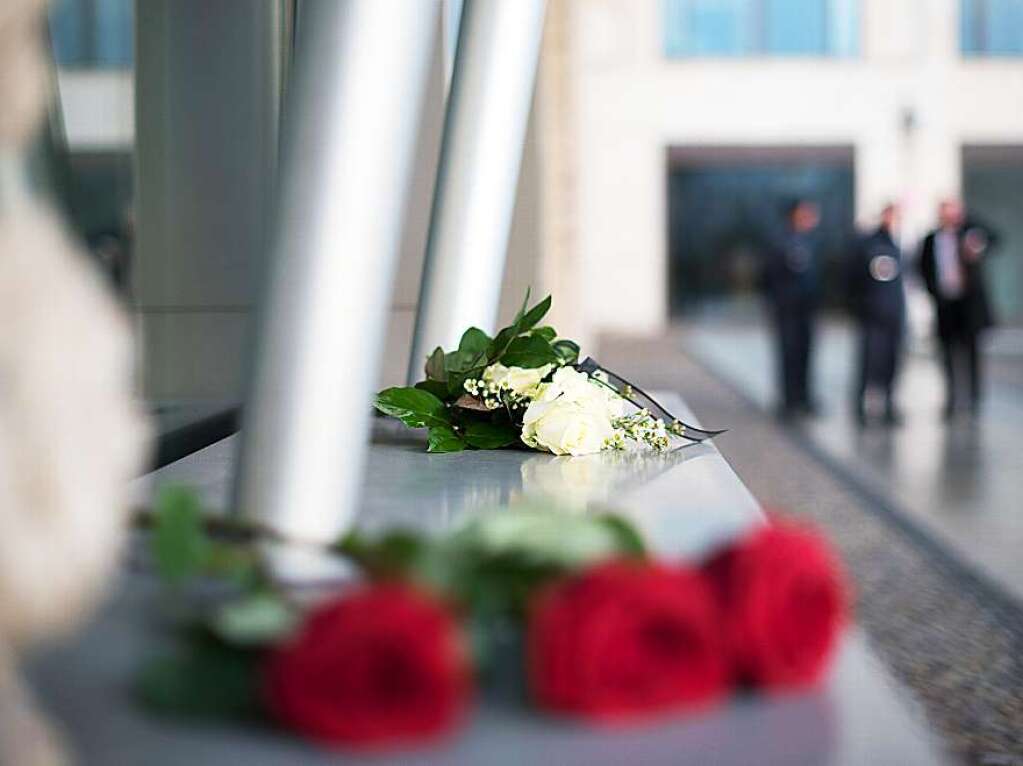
(956, 642)
(959, 481)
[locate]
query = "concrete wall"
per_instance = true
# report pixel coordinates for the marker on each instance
(206, 113)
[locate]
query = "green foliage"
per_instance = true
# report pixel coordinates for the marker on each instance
(435, 387)
(432, 403)
(539, 311)
(179, 543)
(435, 366)
(493, 565)
(530, 351)
(444, 439)
(205, 679)
(567, 351)
(414, 407)
(548, 333)
(629, 542)
(395, 554)
(475, 342)
(524, 321)
(487, 435)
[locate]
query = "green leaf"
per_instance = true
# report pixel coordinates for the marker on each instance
(500, 344)
(523, 308)
(474, 342)
(456, 380)
(443, 438)
(395, 554)
(435, 387)
(235, 563)
(485, 435)
(414, 407)
(257, 619)
(567, 351)
(435, 366)
(629, 541)
(508, 334)
(179, 542)
(535, 314)
(548, 333)
(530, 351)
(206, 679)
(542, 533)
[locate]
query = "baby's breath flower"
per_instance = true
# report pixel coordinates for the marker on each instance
(644, 428)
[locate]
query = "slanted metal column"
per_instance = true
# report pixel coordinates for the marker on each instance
(353, 108)
(487, 113)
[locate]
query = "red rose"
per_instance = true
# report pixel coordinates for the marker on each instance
(625, 638)
(784, 605)
(379, 665)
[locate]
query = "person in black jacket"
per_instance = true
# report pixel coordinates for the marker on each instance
(878, 302)
(951, 264)
(792, 286)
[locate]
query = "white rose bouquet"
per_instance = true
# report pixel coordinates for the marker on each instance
(526, 387)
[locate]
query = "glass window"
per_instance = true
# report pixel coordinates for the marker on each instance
(991, 27)
(761, 27)
(92, 33)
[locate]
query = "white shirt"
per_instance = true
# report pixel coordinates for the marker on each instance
(948, 265)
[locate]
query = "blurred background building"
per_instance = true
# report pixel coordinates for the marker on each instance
(665, 135)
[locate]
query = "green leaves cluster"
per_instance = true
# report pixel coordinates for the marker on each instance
(212, 672)
(431, 403)
(492, 566)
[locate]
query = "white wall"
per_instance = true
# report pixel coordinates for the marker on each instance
(98, 109)
(632, 103)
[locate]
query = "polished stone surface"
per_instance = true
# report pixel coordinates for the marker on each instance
(685, 504)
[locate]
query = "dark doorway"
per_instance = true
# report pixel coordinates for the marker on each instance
(992, 184)
(724, 206)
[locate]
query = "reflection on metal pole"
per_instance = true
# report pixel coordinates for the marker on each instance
(487, 114)
(360, 71)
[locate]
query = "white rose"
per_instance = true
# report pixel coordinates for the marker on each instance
(568, 384)
(521, 381)
(567, 427)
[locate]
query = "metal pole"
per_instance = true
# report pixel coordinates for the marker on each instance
(487, 113)
(360, 72)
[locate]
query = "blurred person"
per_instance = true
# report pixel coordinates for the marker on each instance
(951, 264)
(792, 286)
(878, 302)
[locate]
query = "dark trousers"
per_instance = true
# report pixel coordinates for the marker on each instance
(794, 328)
(880, 350)
(962, 368)
(958, 335)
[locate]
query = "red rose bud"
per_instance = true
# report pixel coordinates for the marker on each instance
(783, 599)
(380, 665)
(624, 639)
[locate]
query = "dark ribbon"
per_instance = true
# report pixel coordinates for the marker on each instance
(643, 400)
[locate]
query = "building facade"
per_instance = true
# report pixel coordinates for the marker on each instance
(915, 99)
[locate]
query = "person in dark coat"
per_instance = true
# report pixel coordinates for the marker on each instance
(952, 266)
(878, 302)
(791, 283)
